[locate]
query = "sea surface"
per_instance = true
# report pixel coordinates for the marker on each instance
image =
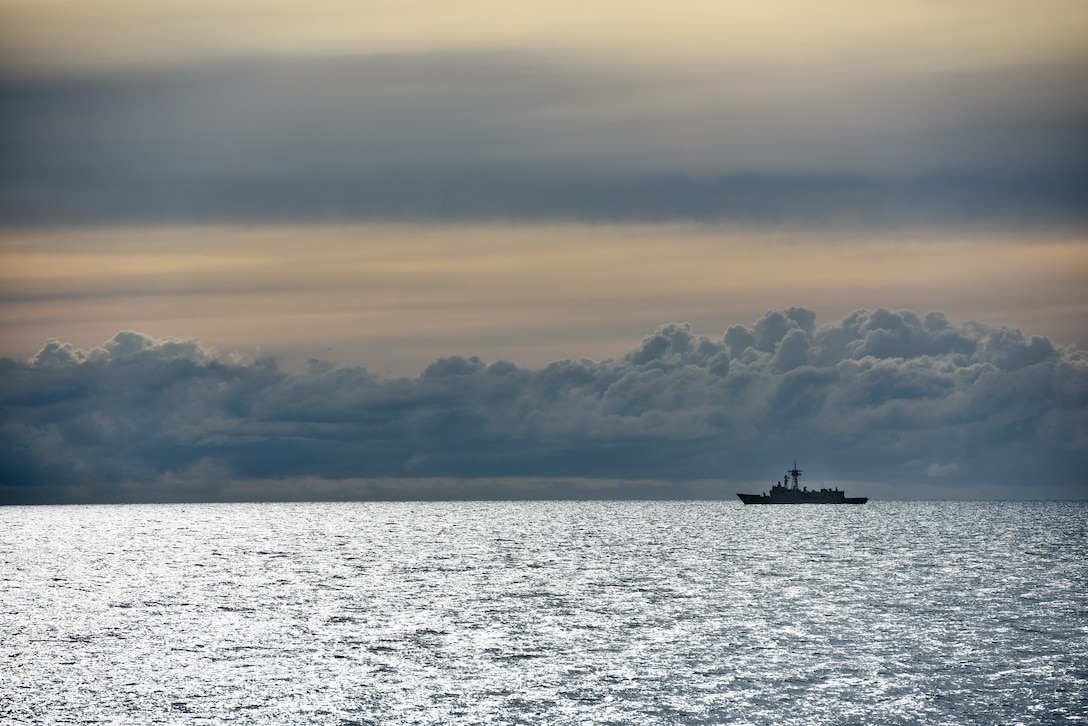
(545, 613)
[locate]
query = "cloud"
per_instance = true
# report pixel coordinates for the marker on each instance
(893, 402)
(125, 345)
(524, 135)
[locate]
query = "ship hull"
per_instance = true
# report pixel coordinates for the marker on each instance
(815, 498)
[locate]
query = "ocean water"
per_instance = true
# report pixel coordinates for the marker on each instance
(545, 612)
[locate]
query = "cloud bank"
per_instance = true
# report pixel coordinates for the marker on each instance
(896, 404)
(523, 135)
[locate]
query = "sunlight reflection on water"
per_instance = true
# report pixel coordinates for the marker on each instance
(545, 612)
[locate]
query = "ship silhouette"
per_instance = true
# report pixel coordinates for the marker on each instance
(787, 492)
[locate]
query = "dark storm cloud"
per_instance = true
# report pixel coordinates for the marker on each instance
(527, 136)
(880, 397)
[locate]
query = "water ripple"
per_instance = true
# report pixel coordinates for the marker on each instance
(545, 612)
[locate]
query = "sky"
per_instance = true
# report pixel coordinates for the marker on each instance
(488, 249)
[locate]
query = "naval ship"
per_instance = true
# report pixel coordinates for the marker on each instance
(787, 492)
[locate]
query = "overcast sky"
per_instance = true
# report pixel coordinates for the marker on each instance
(381, 186)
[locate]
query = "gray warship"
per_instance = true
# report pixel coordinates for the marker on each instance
(787, 492)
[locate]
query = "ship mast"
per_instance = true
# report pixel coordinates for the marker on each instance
(794, 472)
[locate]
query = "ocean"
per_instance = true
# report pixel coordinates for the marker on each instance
(692, 612)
